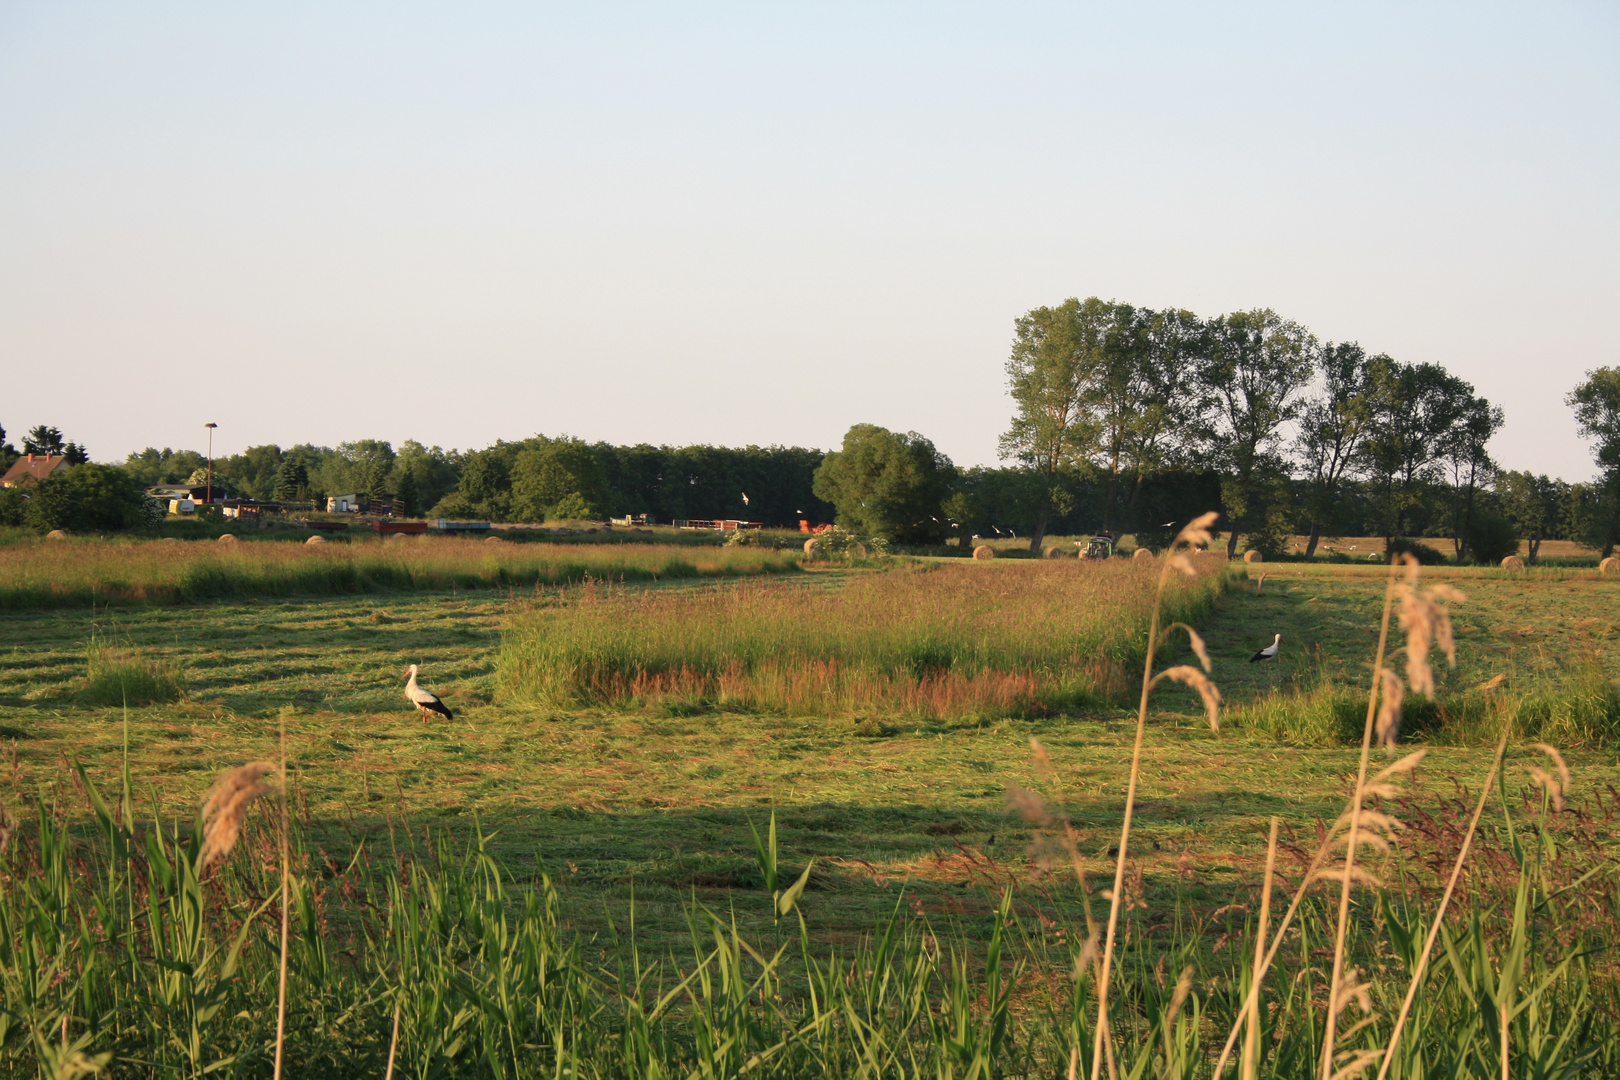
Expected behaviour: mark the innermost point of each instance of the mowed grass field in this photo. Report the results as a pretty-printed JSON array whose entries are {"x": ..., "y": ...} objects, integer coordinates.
[{"x": 658, "y": 803}]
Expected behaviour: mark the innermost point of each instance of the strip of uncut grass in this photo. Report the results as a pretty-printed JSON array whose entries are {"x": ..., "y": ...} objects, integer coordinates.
[
  {"x": 75, "y": 573},
  {"x": 947, "y": 641}
]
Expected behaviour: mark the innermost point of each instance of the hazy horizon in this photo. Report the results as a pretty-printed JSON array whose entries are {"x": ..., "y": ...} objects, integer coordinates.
[{"x": 736, "y": 224}]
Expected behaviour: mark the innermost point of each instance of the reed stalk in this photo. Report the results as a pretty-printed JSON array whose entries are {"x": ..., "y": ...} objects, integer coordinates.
[
  {"x": 1251, "y": 1039},
  {"x": 1440, "y": 913},
  {"x": 1195, "y": 532},
  {"x": 1354, "y": 837},
  {"x": 286, "y": 861}
]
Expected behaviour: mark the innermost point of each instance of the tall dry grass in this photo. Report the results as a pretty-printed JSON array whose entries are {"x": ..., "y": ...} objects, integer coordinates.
[
  {"x": 79, "y": 572},
  {"x": 939, "y": 642}
]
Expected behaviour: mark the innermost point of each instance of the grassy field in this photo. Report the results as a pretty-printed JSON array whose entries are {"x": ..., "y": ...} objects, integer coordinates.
[
  {"x": 936, "y": 641},
  {"x": 647, "y": 806},
  {"x": 81, "y": 572}
]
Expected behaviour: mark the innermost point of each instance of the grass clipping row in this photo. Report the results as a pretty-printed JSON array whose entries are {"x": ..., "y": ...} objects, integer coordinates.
[
  {"x": 76, "y": 573},
  {"x": 940, "y": 643}
]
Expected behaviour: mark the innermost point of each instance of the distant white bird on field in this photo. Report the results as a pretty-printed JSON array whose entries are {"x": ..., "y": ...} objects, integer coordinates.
[
  {"x": 745, "y": 498},
  {"x": 425, "y": 700},
  {"x": 1269, "y": 652}
]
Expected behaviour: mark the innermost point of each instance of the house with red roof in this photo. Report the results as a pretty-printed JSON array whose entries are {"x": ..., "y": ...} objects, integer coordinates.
[{"x": 32, "y": 468}]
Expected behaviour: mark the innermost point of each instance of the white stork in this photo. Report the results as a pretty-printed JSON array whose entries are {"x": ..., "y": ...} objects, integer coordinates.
[
  {"x": 1269, "y": 652},
  {"x": 425, "y": 700}
]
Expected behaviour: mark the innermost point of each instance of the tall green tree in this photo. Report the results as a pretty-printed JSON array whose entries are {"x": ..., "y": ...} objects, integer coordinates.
[
  {"x": 8, "y": 453},
  {"x": 50, "y": 440},
  {"x": 153, "y": 466},
  {"x": 1145, "y": 399},
  {"x": 433, "y": 471},
  {"x": 1254, "y": 368},
  {"x": 1533, "y": 504},
  {"x": 253, "y": 472},
  {"x": 1332, "y": 424},
  {"x": 292, "y": 478},
  {"x": 887, "y": 484},
  {"x": 561, "y": 478},
  {"x": 1414, "y": 409},
  {"x": 1470, "y": 465},
  {"x": 1058, "y": 360},
  {"x": 1596, "y": 402}
]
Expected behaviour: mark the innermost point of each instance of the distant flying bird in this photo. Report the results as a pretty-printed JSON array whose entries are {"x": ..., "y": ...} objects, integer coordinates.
[
  {"x": 1269, "y": 652},
  {"x": 745, "y": 498},
  {"x": 425, "y": 700},
  {"x": 1167, "y": 525},
  {"x": 798, "y": 511}
]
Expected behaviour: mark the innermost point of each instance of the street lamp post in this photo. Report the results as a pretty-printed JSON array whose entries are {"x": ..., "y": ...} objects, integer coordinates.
[{"x": 210, "y": 427}]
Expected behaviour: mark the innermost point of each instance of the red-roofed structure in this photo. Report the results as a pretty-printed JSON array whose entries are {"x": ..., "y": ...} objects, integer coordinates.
[{"x": 32, "y": 468}]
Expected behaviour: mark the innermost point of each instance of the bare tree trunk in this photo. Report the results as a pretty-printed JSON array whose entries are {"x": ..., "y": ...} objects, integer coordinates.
[
  {"x": 1040, "y": 528},
  {"x": 1311, "y": 541},
  {"x": 1231, "y": 544}
]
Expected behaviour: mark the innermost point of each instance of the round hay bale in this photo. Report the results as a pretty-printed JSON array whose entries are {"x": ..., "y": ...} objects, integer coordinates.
[
  {"x": 984, "y": 551},
  {"x": 1513, "y": 562},
  {"x": 1052, "y": 553},
  {"x": 171, "y": 539},
  {"x": 858, "y": 551},
  {"x": 316, "y": 540},
  {"x": 56, "y": 534},
  {"x": 493, "y": 540},
  {"x": 1142, "y": 553},
  {"x": 1611, "y": 565},
  {"x": 227, "y": 538},
  {"x": 812, "y": 548},
  {"x": 1253, "y": 556}
]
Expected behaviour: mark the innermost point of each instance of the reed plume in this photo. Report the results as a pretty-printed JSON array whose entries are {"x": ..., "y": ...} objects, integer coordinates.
[{"x": 226, "y": 806}]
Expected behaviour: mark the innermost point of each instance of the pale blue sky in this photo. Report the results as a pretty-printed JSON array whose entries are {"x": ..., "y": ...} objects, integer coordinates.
[{"x": 766, "y": 222}]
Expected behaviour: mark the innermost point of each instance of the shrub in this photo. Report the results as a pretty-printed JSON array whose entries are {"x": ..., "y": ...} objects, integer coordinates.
[
  {"x": 87, "y": 498},
  {"x": 12, "y": 505},
  {"x": 1491, "y": 538},
  {"x": 1423, "y": 553}
]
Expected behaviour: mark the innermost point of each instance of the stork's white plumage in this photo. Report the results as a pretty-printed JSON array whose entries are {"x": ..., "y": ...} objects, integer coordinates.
[
  {"x": 425, "y": 700},
  {"x": 1269, "y": 652}
]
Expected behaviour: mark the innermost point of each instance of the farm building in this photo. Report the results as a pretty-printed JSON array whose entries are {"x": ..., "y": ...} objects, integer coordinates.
[{"x": 32, "y": 468}]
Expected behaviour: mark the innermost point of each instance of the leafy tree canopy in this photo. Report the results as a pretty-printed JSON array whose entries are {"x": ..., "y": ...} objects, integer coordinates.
[
  {"x": 886, "y": 484},
  {"x": 87, "y": 498}
]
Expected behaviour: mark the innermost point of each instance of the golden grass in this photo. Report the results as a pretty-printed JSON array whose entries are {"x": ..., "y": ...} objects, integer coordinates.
[
  {"x": 80, "y": 572},
  {"x": 947, "y": 641}
]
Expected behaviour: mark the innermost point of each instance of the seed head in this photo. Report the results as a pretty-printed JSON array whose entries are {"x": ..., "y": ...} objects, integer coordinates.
[{"x": 226, "y": 807}]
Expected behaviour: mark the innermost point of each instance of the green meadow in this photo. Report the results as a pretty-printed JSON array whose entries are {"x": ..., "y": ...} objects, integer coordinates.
[{"x": 619, "y": 833}]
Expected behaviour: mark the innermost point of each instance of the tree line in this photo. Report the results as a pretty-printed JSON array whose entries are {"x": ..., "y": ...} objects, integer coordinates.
[{"x": 1128, "y": 420}]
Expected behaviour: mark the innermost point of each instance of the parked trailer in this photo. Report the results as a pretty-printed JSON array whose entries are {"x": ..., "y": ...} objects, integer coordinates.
[{"x": 382, "y": 528}]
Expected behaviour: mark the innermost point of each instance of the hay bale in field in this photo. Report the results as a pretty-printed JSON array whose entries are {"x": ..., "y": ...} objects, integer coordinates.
[
  {"x": 1142, "y": 553},
  {"x": 812, "y": 548},
  {"x": 227, "y": 538},
  {"x": 56, "y": 534},
  {"x": 316, "y": 540},
  {"x": 1611, "y": 565},
  {"x": 1513, "y": 562},
  {"x": 1253, "y": 556},
  {"x": 170, "y": 539},
  {"x": 984, "y": 551},
  {"x": 858, "y": 551},
  {"x": 493, "y": 540},
  {"x": 1053, "y": 553}
]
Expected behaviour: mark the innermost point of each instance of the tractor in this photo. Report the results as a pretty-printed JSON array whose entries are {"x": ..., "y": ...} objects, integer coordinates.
[{"x": 1099, "y": 547}]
